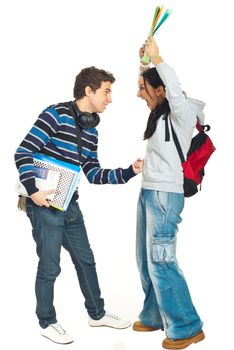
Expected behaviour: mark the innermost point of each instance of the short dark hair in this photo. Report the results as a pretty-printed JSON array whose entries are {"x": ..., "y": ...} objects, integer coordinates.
[{"x": 90, "y": 76}]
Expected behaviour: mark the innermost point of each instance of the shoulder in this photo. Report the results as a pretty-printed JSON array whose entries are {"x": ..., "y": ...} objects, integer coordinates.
[
  {"x": 61, "y": 108},
  {"x": 59, "y": 111}
]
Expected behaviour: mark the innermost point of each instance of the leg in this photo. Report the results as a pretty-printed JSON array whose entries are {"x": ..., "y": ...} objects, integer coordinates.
[
  {"x": 163, "y": 215},
  {"x": 47, "y": 228},
  {"x": 75, "y": 241},
  {"x": 150, "y": 315}
]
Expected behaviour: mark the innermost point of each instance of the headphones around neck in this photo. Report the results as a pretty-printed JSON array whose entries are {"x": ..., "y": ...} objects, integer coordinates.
[{"x": 85, "y": 119}]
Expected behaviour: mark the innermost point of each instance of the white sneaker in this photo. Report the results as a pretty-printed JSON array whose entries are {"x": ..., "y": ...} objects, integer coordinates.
[
  {"x": 110, "y": 320},
  {"x": 57, "y": 334}
]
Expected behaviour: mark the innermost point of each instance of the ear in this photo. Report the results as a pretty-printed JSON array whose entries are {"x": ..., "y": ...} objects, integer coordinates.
[
  {"x": 88, "y": 91},
  {"x": 160, "y": 91}
]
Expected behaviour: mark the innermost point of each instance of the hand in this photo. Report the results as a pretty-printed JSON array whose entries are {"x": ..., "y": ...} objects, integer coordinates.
[
  {"x": 142, "y": 52},
  {"x": 40, "y": 198},
  {"x": 151, "y": 48},
  {"x": 137, "y": 166},
  {"x": 144, "y": 65}
]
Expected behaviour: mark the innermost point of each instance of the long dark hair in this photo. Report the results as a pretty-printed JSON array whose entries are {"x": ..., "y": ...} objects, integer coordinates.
[{"x": 152, "y": 77}]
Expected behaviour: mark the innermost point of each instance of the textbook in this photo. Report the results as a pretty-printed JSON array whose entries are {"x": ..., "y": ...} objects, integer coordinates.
[{"x": 50, "y": 174}]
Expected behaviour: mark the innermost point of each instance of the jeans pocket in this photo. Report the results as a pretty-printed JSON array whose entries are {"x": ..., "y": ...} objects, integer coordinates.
[
  {"x": 162, "y": 200},
  {"x": 164, "y": 250},
  {"x": 73, "y": 214}
]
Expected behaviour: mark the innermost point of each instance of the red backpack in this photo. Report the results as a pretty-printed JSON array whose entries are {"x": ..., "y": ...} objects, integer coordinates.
[{"x": 200, "y": 150}]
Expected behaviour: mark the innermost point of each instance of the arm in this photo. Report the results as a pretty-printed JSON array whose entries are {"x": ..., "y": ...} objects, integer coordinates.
[
  {"x": 97, "y": 175},
  {"x": 179, "y": 105},
  {"x": 44, "y": 128}
]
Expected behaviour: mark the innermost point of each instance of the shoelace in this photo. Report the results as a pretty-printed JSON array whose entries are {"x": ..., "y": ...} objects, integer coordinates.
[
  {"x": 112, "y": 316},
  {"x": 58, "y": 328}
]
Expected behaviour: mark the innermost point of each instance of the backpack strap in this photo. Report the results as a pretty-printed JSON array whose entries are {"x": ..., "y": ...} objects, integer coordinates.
[
  {"x": 201, "y": 127},
  {"x": 167, "y": 133},
  {"x": 177, "y": 144}
]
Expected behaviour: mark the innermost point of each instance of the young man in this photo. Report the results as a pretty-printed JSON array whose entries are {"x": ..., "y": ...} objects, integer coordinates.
[{"x": 54, "y": 134}]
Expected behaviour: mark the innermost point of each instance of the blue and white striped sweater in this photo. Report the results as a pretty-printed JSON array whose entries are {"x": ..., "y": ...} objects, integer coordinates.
[{"x": 54, "y": 134}]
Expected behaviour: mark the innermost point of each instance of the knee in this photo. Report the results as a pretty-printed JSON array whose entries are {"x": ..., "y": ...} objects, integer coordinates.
[
  {"x": 164, "y": 250},
  {"x": 48, "y": 274},
  {"x": 84, "y": 260}
]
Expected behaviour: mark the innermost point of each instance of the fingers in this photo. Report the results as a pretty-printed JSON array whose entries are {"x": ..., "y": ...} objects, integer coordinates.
[
  {"x": 49, "y": 191},
  {"x": 150, "y": 41},
  {"x": 46, "y": 203},
  {"x": 142, "y": 51},
  {"x": 138, "y": 166},
  {"x": 40, "y": 198},
  {"x": 42, "y": 203},
  {"x": 151, "y": 49}
]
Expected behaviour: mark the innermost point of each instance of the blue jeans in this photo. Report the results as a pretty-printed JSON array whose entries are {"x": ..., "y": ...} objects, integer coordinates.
[
  {"x": 167, "y": 303},
  {"x": 51, "y": 230}
]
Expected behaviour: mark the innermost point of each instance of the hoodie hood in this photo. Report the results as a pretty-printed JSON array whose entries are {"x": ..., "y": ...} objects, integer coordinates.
[{"x": 198, "y": 107}]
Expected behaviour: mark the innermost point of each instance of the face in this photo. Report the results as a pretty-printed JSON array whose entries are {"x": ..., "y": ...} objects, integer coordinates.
[
  {"x": 152, "y": 96},
  {"x": 99, "y": 99}
]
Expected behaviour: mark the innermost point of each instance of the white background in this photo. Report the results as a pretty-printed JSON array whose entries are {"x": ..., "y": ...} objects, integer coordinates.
[{"x": 44, "y": 45}]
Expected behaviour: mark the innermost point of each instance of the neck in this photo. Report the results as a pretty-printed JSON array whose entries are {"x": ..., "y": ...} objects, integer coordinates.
[
  {"x": 162, "y": 103},
  {"x": 84, "y": 105},
  {"x": 161, "y": 109}
]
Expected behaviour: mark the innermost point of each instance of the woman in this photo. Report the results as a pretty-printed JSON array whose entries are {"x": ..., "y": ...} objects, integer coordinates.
[{"x": 167, "y": 305}]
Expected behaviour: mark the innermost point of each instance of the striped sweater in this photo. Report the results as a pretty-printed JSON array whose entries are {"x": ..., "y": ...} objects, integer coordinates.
[{"x": 54, "y": 134}]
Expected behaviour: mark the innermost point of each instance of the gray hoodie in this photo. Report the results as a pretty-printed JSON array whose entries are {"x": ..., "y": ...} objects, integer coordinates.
[{"x": 162, "y": 166}]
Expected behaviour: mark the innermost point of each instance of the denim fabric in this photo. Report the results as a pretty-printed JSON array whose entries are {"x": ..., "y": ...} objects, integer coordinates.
[
  {"x": 167, "y": 303},
  {"x": 51, "y": 230}
]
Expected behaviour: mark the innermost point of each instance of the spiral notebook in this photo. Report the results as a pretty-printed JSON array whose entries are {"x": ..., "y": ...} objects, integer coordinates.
[{"x": 50, "y": 174}]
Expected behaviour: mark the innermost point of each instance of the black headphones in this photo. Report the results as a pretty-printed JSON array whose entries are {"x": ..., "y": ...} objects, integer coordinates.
[{"x": 85, "y": 119}]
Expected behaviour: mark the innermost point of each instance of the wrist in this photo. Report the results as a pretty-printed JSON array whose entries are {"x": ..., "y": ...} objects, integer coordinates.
[
  {"x": 144, "y": 64},
  {"x": 156, "y": 59},
  {"x": 143, "y": 67}
]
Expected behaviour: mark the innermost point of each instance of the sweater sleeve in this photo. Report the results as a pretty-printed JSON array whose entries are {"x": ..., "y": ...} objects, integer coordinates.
[
  {"x": 97, "y": 175},
  {"x": 39, "y": 135},
  {"x": 181, "y": 112}
]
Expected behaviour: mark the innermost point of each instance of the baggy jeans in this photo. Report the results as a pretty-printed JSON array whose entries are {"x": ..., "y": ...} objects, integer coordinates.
[{"x": 167, "y": 303}]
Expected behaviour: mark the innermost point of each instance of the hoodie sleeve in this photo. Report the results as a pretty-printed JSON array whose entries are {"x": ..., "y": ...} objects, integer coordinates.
[{"x": 181, "y": 111}]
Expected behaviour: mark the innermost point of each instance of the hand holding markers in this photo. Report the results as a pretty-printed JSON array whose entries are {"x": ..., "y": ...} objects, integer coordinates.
[{"x": 160, "y": 15}]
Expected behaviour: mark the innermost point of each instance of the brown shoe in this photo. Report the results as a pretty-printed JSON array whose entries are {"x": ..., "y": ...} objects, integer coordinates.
[
  {"x": 182, "y": 343},
  {"x": 140, "y": 327}
]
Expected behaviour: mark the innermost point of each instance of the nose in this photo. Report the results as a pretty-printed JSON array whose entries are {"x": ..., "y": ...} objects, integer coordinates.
[
  {"x": 109, "y": 99},
  {"x": 139, "y": 93}
]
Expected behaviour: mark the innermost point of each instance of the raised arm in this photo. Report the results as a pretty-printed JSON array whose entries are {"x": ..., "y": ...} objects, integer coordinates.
[{"x": 179, "y": 105}]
